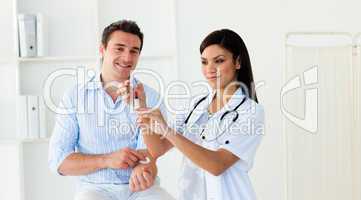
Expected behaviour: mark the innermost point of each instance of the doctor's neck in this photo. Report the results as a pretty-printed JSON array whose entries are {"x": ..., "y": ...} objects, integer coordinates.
[{"x": 225, "y": 93}]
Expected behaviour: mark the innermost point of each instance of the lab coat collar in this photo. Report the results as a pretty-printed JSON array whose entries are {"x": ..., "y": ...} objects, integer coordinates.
[
  {"x": 201, "y": 108},
  {"x": 235, "y": 99}
]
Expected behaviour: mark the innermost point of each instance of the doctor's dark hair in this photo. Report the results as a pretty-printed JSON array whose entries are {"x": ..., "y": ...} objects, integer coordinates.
[
  {"x": 127, "y": 26},
  {"x": 231, "y": 41}
]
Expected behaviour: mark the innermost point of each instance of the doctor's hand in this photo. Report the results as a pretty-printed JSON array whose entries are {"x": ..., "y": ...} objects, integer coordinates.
[
  {"x": 123, "y": 159},
  {"x": 125, "y": 91},
  {"x": 120, "y": 88},
  {"x": 142, "y": 177},
  {"x": 152, "y": 120}
]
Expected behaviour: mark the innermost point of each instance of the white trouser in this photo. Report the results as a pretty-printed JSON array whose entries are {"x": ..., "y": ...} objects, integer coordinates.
[{"x": 89, "y": 191}]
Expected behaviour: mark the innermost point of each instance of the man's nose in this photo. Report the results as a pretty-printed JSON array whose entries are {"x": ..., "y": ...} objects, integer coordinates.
[{"x": 127, "y": 57}]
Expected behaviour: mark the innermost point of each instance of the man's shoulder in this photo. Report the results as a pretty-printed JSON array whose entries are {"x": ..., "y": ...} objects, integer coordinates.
[{"x": 153, "y": 96}]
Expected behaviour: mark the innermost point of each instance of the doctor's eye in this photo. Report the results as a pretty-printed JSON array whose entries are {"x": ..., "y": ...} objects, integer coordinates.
[
  {"x": 204, "y": 62},
  {"x": 219, "y": 61}
]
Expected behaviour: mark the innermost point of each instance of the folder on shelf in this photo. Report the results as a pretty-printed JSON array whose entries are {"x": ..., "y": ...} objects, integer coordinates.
[
  {"x": 27, "y": 35},
  {"x": 41, "y": 35},
  {"x": 33, "y": 117}
]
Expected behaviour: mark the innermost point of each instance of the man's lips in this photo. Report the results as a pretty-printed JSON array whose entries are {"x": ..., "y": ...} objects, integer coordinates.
[{"x": 123, "y": 66}]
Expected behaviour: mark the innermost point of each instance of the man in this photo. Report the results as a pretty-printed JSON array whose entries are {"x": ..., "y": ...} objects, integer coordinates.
[{"x": 97, "y": 139}]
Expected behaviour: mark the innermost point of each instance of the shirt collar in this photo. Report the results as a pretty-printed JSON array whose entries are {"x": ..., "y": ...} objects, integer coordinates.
[{"x": 95, "y": 82}]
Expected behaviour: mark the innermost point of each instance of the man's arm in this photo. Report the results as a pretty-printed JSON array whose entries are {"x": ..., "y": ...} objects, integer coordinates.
[
  {"x": 63, "y": 158},
  {"x": 81, "y": 164},
  {"x": 144, "y": 174}
]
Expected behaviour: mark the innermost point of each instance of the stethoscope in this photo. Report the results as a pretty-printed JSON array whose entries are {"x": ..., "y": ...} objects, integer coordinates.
[{"x": 228, "y": 112}]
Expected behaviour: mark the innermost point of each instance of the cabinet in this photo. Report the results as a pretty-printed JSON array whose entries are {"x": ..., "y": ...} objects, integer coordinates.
[
  {"x": 72, "y": 35},
  {"x": 322, "y": 132},
  {"x": 25, "y": 174}
]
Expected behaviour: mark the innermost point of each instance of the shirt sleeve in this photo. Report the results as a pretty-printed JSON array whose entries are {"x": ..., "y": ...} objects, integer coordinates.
[
  {"x": 140, "y": 141},
  {"x": 65, "y": 133},
  {"x": 153, "y": 99},
  {"x": 245, "y": 136}
]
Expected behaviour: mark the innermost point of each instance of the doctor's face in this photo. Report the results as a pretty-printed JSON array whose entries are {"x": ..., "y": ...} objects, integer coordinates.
[
  {"x": 121, "y": 55},
  {"x": 218, "y": 63}
]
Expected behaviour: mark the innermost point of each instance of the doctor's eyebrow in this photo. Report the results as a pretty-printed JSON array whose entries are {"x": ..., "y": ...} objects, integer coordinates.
[{"x": 214, "y": 58}]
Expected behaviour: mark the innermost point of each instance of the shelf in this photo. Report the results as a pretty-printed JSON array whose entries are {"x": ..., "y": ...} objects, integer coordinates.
[
  {"x": 24, "y": 140},
  {"x": 149, "y": 57},
  {"x": 4, "y": 61},
  {"x": 57, "y": 59}
]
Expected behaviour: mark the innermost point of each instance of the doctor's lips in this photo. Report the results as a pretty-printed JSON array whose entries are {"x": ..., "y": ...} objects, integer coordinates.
[{"x": 212, "y": 77}]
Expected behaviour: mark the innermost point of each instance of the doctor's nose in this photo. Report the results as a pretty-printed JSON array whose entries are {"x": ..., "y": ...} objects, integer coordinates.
[{"x": 211, "y": 68}]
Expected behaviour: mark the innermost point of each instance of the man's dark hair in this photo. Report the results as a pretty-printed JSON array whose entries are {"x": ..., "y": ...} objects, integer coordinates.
[{"x": 127, "y": 26}]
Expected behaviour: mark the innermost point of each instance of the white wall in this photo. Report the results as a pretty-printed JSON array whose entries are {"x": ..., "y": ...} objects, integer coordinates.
[{"x": 263, "y": 25}]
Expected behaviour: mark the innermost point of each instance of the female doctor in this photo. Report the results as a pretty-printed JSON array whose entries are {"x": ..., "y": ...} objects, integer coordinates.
[{"x": 221, "y": 132}]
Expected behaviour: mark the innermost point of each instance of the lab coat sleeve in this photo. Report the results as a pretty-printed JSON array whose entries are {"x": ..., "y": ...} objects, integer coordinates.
[
  {"x": 176, "y": 122},
  {"x": 153, "y": 100},
  {"x": 244, "y": 137},
  {"x": 66, "y": 131}
]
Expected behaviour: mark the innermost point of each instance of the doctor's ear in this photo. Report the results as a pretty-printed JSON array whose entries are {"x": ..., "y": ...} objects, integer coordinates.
[{"x": 238, "y": 63}]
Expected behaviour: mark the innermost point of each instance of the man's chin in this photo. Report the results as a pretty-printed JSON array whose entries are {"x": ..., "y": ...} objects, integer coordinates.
[{"x": 122, "y": 74}]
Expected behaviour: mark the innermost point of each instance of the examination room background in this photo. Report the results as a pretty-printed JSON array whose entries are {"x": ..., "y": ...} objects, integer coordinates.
[{"x": 312, "y": 43}]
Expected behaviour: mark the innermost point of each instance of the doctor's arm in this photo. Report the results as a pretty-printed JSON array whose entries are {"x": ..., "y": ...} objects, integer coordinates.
[
  {"x": 215, "y": 162},
  {"x": 156, "y": 144}
]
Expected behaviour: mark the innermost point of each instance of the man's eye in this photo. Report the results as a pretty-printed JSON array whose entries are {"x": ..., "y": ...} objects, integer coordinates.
[
  {"x": 204, "y": 62},
  {"x": 134, "y": 52},
  {"x": 119, "y": 49}
]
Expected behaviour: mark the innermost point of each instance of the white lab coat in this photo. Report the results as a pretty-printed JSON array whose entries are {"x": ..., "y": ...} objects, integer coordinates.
[{"x": 243, "y": 138}]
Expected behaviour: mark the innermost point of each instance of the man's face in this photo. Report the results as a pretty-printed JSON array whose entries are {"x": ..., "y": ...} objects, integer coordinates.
[{"x": 121, "y": 55}]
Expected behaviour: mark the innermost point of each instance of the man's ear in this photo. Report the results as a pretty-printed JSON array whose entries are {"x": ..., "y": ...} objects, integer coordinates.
[{"x": 101, "y": 50}]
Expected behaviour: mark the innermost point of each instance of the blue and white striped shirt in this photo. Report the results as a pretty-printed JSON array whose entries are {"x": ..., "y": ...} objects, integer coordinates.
[{"x": 91, "y": 123}]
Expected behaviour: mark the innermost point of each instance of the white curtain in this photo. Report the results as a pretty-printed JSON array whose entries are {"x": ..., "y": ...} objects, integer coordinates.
[{"x": 320, "y": 152}]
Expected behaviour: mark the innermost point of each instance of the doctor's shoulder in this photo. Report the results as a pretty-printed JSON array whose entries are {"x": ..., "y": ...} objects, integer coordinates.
[
  {"x": 183, "y": 111},
  {"x": 253, "y": 114}
]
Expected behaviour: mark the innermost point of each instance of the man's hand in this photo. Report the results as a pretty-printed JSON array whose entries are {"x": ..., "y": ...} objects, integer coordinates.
[
  {"x": 142, "y": 177},
  {"x": 123, "y": 159}
]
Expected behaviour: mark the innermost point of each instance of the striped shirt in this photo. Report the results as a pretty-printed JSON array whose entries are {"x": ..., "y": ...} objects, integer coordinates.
[{"x": 90, "y": 122}]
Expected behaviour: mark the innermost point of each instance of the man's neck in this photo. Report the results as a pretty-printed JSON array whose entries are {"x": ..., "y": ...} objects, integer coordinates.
[{"x": 107, "y": 77}]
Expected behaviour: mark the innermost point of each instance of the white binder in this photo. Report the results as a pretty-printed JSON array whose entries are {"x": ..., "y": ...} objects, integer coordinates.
[
  {"x": 33, "y": 117},
  {"x": 27, "y": 35},
  {"x": 41, "y": 35},
  {"x": 32, "y": 120}
]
